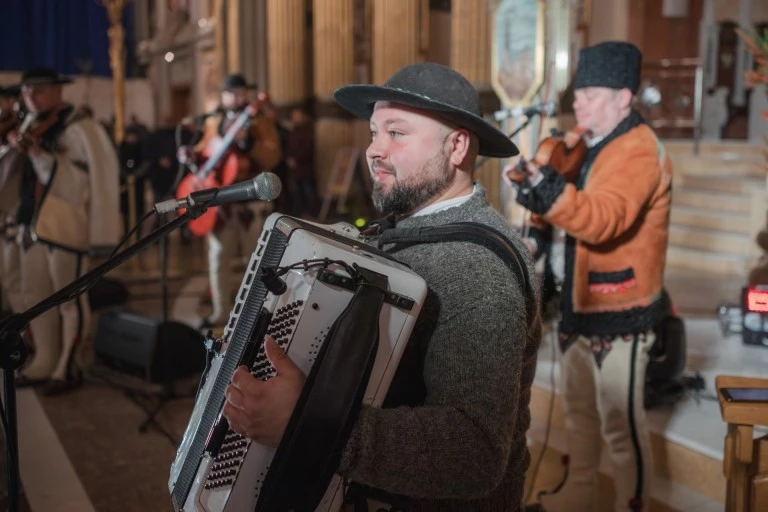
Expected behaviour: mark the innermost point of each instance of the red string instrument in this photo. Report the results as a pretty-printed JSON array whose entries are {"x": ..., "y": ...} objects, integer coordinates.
[{"x": 222, "y": 166}]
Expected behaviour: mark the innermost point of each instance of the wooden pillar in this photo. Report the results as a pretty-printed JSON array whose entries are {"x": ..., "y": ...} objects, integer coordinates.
[
  {"x": 471, "y": 40},
  {"x": 398, "y": 35},
  {"x": 333, "y": 67},
  {"x": 241, "y": 38},
  {"x": 286, "y": 51},
  {"x": 233, "y": 14},
  {"x": 471, "y": 56}
]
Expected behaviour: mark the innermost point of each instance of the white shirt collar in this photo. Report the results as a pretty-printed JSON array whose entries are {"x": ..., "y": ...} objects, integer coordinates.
[
  {"x": 594, "y": 141},
  {"x": 444, "y": 205}
]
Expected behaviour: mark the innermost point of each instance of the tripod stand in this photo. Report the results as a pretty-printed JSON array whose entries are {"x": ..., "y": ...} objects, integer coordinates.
[
  {"x": 152, "y": 402},
  {"x": 13, "y": 352}
]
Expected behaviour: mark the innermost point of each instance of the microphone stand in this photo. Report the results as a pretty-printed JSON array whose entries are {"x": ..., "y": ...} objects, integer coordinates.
[
  {"x": 13, "y": 352},
  {"x": 512, "y": 135}
]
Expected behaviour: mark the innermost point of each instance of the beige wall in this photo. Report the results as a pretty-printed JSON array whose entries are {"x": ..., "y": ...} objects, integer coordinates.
[
  {"x": 610, "y": 21},
  {"x": 439, "y": 37},
  {"x": 729, "y": 10}
]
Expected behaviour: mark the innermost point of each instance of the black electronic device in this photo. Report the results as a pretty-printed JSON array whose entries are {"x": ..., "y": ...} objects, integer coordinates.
[
  {"x": 151, "y": 349},
  {"x": 745, "y": 394}
]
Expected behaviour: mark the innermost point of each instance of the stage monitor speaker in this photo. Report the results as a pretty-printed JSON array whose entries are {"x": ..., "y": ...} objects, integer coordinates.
[{"x": 148, "y": 348}]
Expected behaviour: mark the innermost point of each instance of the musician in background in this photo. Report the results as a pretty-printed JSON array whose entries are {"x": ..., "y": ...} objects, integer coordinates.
[
  {"x": 452, "y": 434},
  {"x": 69, "y": 207},
  {"x": 258, "y": 146},
  {"x": 616, "y": 216},
  {"x": 11, "y": 170}
]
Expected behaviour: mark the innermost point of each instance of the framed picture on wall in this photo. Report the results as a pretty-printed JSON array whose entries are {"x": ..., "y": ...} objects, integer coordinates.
[{"x": 517, "y": 59}]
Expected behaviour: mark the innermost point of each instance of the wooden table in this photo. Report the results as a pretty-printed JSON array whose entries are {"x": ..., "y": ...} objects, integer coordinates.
[{"x": 745, "y": 460}]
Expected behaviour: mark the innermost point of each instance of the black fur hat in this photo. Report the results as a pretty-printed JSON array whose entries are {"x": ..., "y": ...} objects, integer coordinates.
[
  {"x": 237, "y": 81},
  {"x": 614, "y": 64}
]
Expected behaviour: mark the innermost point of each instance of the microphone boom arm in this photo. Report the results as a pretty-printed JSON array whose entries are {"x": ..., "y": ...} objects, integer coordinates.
[{"x": 13, "y": 352}]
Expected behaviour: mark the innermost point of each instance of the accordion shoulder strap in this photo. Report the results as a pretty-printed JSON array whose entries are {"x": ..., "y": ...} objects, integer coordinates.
[
  {"x": 496, "y": 242},
  {"x": 473, "y": 232},
  {"x": 311, "y": 448}
]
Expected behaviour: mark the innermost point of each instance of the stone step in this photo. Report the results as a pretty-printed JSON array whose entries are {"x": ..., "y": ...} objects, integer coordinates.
[
  {"x": 719, "y": 165},
  {"x": 698, "y": 293},
  {"x": 721, "y": 201},
  {"x": 719, "y": 184},
  {"x": 672, "y": 461},
  {"x": 714, "y": 263},
  {"x": 709, "y": 240},
  {"x": 710, "y": 219},
  {"x": 666, "y": 495},
  {"x": 685, "y": 147}
]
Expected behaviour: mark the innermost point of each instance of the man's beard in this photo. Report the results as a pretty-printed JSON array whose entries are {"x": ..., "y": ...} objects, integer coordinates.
[{"x": 406, "y": 196}]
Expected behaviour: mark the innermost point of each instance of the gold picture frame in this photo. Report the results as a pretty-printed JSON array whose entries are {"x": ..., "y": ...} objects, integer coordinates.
[{"x": 517, "y": 50}]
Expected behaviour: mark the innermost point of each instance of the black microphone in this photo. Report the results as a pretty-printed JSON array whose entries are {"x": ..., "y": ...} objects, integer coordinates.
[
  {"x": 547, "y": 108},
  {"x": 264, "y": 187}
]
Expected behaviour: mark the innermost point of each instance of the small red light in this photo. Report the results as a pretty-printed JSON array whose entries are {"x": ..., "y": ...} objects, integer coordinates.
[{"x": 757, "y": 300}]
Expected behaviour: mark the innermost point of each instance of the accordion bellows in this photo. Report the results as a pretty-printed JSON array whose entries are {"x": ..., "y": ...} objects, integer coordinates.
[{"x": 343, "y": 311}]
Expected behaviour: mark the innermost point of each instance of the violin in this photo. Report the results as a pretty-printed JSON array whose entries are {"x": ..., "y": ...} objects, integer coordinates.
[
  {"x": 10, "y": 118},
  {"x": 33, "y": 126},
  {"x": 222, "y": 167},
  {"x": 564, "y": 152},
  {"x": 7, "y": 123},
  {"x": 26, "y": 124}
]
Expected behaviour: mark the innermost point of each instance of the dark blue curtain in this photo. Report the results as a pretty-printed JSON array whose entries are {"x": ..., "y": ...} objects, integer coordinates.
[{"x": 59, "y": 34}]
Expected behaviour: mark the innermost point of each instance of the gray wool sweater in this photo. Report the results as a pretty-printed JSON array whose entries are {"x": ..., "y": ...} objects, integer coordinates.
[{"x": 451, "y": 435}]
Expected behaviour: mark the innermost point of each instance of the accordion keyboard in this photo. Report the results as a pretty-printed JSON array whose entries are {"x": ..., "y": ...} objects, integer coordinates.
[{"x": 216, "y": 469}]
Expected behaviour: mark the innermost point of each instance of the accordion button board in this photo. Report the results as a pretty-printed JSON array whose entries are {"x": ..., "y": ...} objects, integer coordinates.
[{"x": 216, "y": 469}]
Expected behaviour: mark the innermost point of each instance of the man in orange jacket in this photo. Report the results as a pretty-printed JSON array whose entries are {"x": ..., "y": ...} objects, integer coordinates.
[{"x": 616, "y": 217}]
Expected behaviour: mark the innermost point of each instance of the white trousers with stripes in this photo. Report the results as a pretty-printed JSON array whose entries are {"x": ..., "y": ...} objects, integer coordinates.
[
  {"x": 56, "y": 332},
  {"x": 223, "y": 246},
  {"x": 10, "y": 253},
  {"x": 604, "y": 403}
]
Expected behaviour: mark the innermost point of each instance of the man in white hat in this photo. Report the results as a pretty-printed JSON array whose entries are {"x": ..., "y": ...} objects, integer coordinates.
[{"x": 69, "y": 208}]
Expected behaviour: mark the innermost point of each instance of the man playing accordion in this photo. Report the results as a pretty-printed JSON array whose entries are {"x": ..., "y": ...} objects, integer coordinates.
[{"x": 452, "y": 431}]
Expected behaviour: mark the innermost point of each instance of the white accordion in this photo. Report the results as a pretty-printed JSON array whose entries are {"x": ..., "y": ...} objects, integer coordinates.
[{"x": 343, "y": 311}]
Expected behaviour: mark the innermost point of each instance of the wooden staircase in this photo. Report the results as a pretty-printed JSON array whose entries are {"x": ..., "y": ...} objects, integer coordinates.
[{"x": 719, "y": 200}]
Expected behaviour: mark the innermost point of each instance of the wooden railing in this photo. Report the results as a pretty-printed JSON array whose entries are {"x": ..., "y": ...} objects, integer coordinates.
[{"x": 670, "y": 98}]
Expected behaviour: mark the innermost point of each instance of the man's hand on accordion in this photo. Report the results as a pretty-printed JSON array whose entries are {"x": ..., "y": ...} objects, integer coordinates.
[{"x": 260, "y": 410}]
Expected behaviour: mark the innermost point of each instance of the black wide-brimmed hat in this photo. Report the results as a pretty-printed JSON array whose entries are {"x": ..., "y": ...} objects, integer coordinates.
[
  {"x": 41, "y": 75},
  {"x": 237, "y": 81},
  {"x": 435, "y": 88},
  {"x": 613, "y": 64},
  {"x": 11, "y": 90}
]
